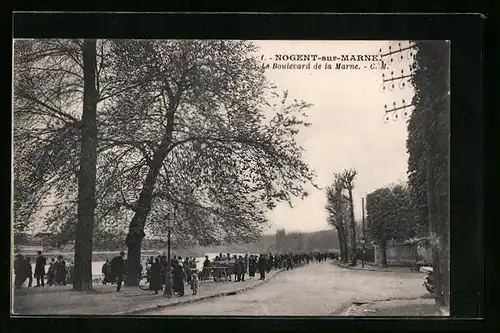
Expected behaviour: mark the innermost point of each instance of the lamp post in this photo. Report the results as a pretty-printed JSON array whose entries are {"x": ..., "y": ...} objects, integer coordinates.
[{"x": 168, "y": 278}]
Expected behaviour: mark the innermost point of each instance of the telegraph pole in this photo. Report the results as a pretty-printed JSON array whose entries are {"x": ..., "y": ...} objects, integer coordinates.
[
  {"x": 435, "y": 221},
  {"x": 363, "y": 241}
]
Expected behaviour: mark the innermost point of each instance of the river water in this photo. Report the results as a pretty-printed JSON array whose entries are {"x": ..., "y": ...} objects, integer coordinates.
[{"x": 97, "y": 265}]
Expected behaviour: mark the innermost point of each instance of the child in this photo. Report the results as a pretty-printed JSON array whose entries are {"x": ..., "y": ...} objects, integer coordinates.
[{"x": 194, "y": 281}]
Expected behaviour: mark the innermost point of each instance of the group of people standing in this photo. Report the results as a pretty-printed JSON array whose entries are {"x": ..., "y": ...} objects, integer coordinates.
[
  {"x": 236, "y": 265},
  {"x": 58, "y": 272},
  {"x": 183, "y": 271}
]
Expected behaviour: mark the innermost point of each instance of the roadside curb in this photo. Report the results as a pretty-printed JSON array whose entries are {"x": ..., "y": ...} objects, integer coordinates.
[
  {"x": 199, "y": 299},
  {"x": 356, "y": 268},
  {"x": 349, "y": 307},
  {"x": 369, "y": 269}
]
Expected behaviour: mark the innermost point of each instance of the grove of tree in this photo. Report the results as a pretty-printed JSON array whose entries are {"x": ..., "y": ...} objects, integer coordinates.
[
  {"x": 389, "y": 217},
  {"x": 428, "y": 146},
  {"x": 189, "y": 129},
  {"x": 340, "y": 210}
]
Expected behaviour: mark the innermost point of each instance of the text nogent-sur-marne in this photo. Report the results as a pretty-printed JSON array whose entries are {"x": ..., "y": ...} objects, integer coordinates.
[{"x": 316, "y": 57}]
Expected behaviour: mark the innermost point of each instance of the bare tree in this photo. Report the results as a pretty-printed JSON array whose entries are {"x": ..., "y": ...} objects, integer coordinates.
[
  {"x": 347, "y": 177},
  {"x": 336, "y": 209},
  {"x": 57, "y": 85}
]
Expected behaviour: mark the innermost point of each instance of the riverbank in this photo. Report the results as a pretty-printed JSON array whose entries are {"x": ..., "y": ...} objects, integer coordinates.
[{"x": 104, "y": 300}]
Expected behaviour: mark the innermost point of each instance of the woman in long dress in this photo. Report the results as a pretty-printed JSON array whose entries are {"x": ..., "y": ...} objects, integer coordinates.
[
  {"x": 251, "y": 267},
  {"x": 179, "y": 278},
  {"x": 156, "y": 276}
]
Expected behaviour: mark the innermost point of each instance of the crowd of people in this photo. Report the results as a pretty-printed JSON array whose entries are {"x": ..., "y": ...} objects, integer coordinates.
[
  {"x": 58, "y": 273},
  {"x": 224, "y": 267}
]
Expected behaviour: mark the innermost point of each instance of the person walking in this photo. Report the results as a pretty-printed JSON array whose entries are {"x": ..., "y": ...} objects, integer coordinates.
[
  {"x": 187, "y": 270},
  {"x": 262, "y": 267},
  {"x": 51, "y": 272},
  {"x": 118, "y": 269},
  {"x": 19, "y": 271},
  {"x": 29, "y": 271},
  {"x": 251, "y": 267},
  {"x": 244, "y": 262},
  {"x": 194, "y": 280},
  {"x": 59, "y": 271},
  {"x": 40, "y": 270},
  {"x": 105, "y": 272},
  {"x": 156, "y": 276},
  {"x": 206, "y": 269},
  {"x": 179, "y": 278}
]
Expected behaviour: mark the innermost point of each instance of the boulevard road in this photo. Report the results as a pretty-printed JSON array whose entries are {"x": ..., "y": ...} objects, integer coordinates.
[{"x": 315, "y": 289}]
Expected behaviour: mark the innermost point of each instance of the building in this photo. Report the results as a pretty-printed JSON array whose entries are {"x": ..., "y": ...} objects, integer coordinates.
[
  {"x": 405, "y": 253},
  {"x": 398, "y": 254}
]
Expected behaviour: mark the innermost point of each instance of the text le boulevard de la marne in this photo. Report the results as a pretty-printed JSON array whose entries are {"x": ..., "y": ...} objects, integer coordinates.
[{"x": 318, "y": 62}]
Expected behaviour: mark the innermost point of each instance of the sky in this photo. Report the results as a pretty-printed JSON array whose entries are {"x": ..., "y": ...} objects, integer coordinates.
[{"x": 348, "y": 128}]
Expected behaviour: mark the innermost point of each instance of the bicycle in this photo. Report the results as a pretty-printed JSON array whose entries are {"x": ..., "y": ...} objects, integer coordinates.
[{"x": 144, "y": 283}]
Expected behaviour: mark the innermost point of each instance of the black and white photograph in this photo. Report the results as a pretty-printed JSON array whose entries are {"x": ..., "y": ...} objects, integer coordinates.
[{"x": 224, "y": 177}]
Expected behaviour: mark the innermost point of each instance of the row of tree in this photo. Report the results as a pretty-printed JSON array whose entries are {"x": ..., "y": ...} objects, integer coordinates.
[
  {"x": 428, "y": 146},
  {"x": 389, "y": 216},
  {"x": 140, "y": 131},
  {"x": 424, "y": 209},
  {"x": 298, "y": 241},
  {"x": 340, "y": 210}
]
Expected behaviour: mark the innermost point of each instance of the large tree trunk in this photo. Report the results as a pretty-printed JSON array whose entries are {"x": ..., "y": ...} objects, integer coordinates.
[
  {"x": 434, "y": 232},
  {"x": 353, "y": 229},
  {"x": 445, "y": 254},
  {"x": 143, "y": 204},
  {"x": 383, "y": 252},
  {"x": 340, "y": 234},
  {"x": 82, "y": 277},
  {"x": 343, "y": 245},
  {"x": 340, "y": 239},
  {"x": 136, "y": 227}
]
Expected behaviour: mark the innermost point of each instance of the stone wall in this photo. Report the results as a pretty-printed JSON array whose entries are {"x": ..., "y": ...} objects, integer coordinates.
[{"x": 398, "y": 254}]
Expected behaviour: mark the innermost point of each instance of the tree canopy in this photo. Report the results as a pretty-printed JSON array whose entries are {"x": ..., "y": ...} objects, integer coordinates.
[
  {"x": 188, "y": 122},
  {"x": 389, "y": 214}
]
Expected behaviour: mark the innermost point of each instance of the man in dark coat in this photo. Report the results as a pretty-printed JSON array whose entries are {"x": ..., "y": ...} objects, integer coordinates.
[
  {"x": 262, "y": 267},
  {"x": 51, "y": 272},
  {"x": 105, "y": 272},
  {"x": 19, "y": 271},
  {"x": 118, "y": 269},
  {"x": 178, "y": 277},
  {"x": 251, "y": 267},
  {"x": 244, "y": 264},
  {"x": 237, "y": 269},
  {"x": 59, "y": 271},
  {"x": 206, "y": 268},
  {"x": 29, "y": 270},
  {"x": 156, "y": 281},
  {"x": 40, "y": 270}
]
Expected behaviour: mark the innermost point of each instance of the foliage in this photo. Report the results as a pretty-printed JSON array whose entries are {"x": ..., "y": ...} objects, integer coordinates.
[
  {"x": 187, "y": 120},
  {"x": 347, "y": 178},
  {"x": 389, "y": 214},
  {"x": 338, "y": 211},
  {"x": 428, "y": 148},
  {"x": 204, "y": 148},
  {"x": 429, "y": 124}
]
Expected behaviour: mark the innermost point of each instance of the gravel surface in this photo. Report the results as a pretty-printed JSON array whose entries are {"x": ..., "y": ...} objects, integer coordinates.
[
  {"x": 104, "y": 300},
  {"x": 405, "y": 308},
  {"x": 316, "y": 289}
]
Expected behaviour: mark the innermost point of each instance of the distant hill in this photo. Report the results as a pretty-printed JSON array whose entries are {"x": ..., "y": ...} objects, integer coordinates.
[{"x": 323, "y": 240}]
